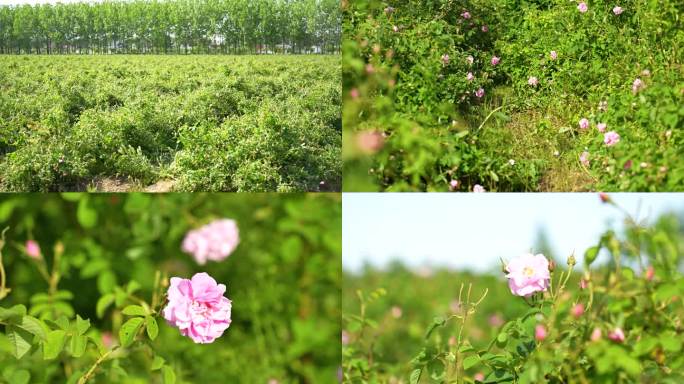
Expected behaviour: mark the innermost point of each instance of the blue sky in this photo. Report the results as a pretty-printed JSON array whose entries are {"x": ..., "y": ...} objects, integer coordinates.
[{"x": 472, "y": 231}]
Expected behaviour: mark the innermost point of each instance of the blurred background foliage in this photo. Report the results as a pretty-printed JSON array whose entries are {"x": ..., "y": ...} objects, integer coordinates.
[{"x": 284, "y": 279}]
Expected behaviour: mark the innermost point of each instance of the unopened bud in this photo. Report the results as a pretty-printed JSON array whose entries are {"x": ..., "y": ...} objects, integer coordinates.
[
  {"x": 552, "y": 265},
  {"x": 571, "y": 260}
]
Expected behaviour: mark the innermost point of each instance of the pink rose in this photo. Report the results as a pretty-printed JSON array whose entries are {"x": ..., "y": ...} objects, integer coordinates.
[
  {"x": 617, "y": 10},
  {"x": 584, "y": 158},
  {"x": 528, "y": 274},
  {"x": 611, "y": 138},
  {"x": 445, "y": 59},
  {"x": 539, "y": 332},
  {"x": 214, "y": 241},
  {"x": 33, "y": 249},
  {"x": 198, "y": 308},
  {"x": 532, "y": 81},
  {"x": 582, "y": 7},
  {"x": 584, "y": 123},
  {"x": 453, "y": 184},
  {"x": 480, "y": 92},
  {"x": 479, "y": 377},
  {"x": 601, "y": 127},
  {"x": 370, "y": 142},
  {"x": 465, "y": 15},
  {"x": 617, "y": 335},
  {"x": 477, "y": 188},
  {"x": 495, "y": 60},
  {"x": 470, "y": 76},
  {"x": 554, "y": 55},
  {"x": 485, "y": 28},
  {"x": 354, "y": 93},
  {"x": 637, "y": 85}
]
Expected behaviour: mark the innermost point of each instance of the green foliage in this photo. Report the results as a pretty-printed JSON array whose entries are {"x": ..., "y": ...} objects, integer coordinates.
[
  {"x": 423, "y": 329},
  {"x": 88, "y": 309},
  {"x": 209, "y": 123},
  {"x": 517, "y": 137}
]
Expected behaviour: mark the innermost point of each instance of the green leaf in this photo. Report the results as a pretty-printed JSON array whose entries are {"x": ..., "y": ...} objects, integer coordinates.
[
  {"x": 20, "y": 340},
  {"x": 132, "y": 287},
  {"x": 169, "y": 375},
  {"x": 415, "y": 376},
  {"x": 151, "y": 327},
  {"x": 14, "y": 312},
  {"x": 63, "y": 295},
  {"x": 32, "y": 325},
  {"x": 134, "y": 310},
  {"x": 86, "y": 216},
  {"x": 106, "y": 281},
  {"x": 20, "y": 376},
  {"x": 438, "y": 321},
  {"x": 470, "y": 361},
  {"x": 54, "y": 343},
  {"x": 81, "y": 325},
  {"x": 103, "y": 303},
  {"x": 157, "y": 363},
  {"x": 78, "y": 345},
  {"x": 590, "y": 255},
  {"x": 129, "y": 330}
]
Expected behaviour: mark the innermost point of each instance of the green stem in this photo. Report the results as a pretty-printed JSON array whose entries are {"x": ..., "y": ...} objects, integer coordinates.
[
  {"x": 84, "y": 379},
  {"x": 3, "y": 290}
]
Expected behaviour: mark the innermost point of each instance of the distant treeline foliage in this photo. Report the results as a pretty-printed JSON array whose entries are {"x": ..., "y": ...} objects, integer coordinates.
[{"x": 175, "y": 26}]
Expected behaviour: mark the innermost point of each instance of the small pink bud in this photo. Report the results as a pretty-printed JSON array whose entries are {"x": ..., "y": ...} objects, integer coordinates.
[
  {"x": 583, "y": 284},
  {"x": 370, "y": 142},
  {"x": 577, "y": 310},
  {"x": 396, "y": 312},
  {"x": 452, "y": 341},
  {"x": 539, "y": 332},
  {"x": 33, "y": 249},
  {"x": 650, "y": 273},
  {"x": 453, "y": 184},
  {"x": 596, "y": 334},
  {"x": 495, "y": 60},
  {"x": 354, "y": 93},
  {"x": 479, "y": 377},
  {"x": 554, "y": 55},
  {"x": 604, "y": 197},
  {"x": 617, "y": 335}
]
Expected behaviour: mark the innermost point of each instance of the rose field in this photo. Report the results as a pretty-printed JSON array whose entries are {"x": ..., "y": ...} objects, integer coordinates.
[
  {"x": 170, "y": 123},
  {"x": 174, "y": 288},
  {"x": 611, "y": 313},
  {"x": 515, "y": 95}
]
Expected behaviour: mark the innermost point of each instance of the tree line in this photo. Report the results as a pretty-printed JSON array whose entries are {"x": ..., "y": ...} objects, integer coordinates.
[{"x": 174, "y": 26}]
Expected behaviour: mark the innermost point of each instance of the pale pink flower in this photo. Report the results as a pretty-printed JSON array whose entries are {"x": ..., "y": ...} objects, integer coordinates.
[
  {"x": 637, "y": 85},
  {"x": 470, "y": 60},
  {"x": 601, "y": 127},
  {"x": 198, "y": 308},
  {"x": 395, "y": 28},
  {"x": 480, "y": 92},
  {"x": 396, "y": 312},
  {"x": 584, "y": 158},
  {"x": 453, "y": 184},
  {"x": 650, "y": 273},
  {"x": 470, "y": 76},
  {"x": 528, "y": 274},
  {"x": 539, "y": 332},
  {"x": 477, "y": 188},
  {"x": 645, "y": 73},
  {"x": 495, "y": 60},
  {"x": 554, "y": 55},
  {"x": 582, "y": 7},
  {"x": 617, "y": 10},
  {"x": 465, "y": 15},
  {"x": 214, "y": 241},
  {"x": 370, "y": 141},
  {"x": 495, "y": 320},
  {"x": 445, "y": 59},
  {"x": 617, "y": 335},
  {"x": 354, "y": 93},
  {"x": 584, "y": 123},
  {"x": 533, "y": 81},
  {"x": 32, "y": 249},
  {"x": 583, "y": 284},
  {"x": 485, "y": 28},
  {"x": 577, "y": 310},
  {"x": 345, "y": 337},
  {"x": 389, "y": 10},
  {"x": 370, "y": 69},
  {"x": 611, "y": 138},
  {"x": 596, "y": 334},
  {"x": 479, "y": 377},
  {"x": 107, "y": 339}
]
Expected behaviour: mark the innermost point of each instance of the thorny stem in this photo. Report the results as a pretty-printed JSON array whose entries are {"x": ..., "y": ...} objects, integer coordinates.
[
  {"x": 3, "y": 290},
  {"x": 84, "y": 379}
]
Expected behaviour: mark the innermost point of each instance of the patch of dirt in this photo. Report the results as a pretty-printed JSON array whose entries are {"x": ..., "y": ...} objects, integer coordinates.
[
  {"x": 161, "y": 186},
  {"x": 111, "y": 184}
]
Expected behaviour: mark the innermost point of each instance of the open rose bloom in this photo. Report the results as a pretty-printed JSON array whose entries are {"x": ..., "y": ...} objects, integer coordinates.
[
  {"x": 528, "y": 274},
  {"x": 197, "y": 307},
  {"x": 214, "y": 241}
]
